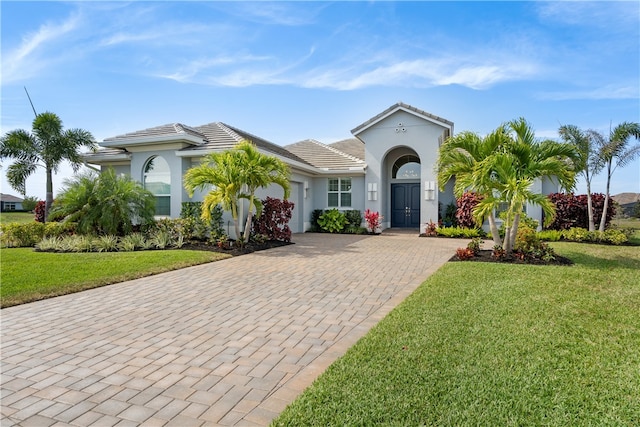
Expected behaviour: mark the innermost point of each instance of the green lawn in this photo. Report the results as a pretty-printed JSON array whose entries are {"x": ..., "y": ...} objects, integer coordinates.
[
  {"x": 21, "y": 217},
  {"x": 27, "y": 275},
  {"x": 489, "y": 344}
]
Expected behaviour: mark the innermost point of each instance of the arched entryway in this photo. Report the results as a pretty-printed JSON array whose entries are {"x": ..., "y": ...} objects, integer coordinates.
[{"x": 405, "y": 191}]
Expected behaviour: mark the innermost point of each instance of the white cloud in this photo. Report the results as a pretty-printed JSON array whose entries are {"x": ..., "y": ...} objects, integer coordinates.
[
  {"x": 600, "y": 14},
  {"x": 29, "y": 58},
  {"x": 612, "y": 91}
]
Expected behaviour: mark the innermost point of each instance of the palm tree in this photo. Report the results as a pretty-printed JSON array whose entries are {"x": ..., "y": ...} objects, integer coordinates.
[
  {"x": 48, "y": 145},
  {"x": 524, "y": 160},
  {"x": 104, "y": 203},
  {"x": 502, "y": 166},
  {"x": 588, "y": 162},
  {"x": 260, "y": 171},
  {"x": 616, "y": 148},
  {"x": 223, "y": 171},
  {"x": 462, "y": 156}
]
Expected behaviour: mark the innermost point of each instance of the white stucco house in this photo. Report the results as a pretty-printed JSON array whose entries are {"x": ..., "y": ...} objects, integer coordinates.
[{"x": 389, "y": 166}]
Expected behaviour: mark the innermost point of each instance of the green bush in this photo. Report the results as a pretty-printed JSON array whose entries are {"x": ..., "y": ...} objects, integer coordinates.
[
  {"x": 460, "y": 232},
  {"x": 132, "y": 242},
  {"x": 315, "y": 216},
  {"x": 17, "y": 235},
  {"x": 195, "y": 227},
  {"x": 354, "y": 218},
  {"x": 576, "y": 234},
  {"x": 550, "y": 235},
  {"x": 332, "y": 221},
  {"x": 29, "y": 203},
  {"x": 615, "y": 237}
]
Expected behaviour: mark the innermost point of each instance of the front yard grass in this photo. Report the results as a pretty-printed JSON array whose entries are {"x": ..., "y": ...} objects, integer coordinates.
[
  {"x": 494, "y": 344},
  {"x": 27, "y": 275}
]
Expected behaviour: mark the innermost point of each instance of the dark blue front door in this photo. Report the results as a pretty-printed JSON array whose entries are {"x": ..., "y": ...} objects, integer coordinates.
[{"x": 405, "y": 205}]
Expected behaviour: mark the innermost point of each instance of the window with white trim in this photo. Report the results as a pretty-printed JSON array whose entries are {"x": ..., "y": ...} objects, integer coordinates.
[
  {"x": 157, "y": 179},
  {"x": 339, "y": 193}
]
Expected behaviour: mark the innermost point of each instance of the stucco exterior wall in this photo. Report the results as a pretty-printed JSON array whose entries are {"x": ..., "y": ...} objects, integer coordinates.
[{"x": 401, "y": 129}]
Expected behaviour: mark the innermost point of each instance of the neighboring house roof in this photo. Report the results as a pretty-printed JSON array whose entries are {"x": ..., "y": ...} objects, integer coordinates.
[
  {"x": 324, "y": 156},
  {"x": 400, "y": 106},
  {"x": 10, "y": 198},
  {"x": 352, "y": 146}
]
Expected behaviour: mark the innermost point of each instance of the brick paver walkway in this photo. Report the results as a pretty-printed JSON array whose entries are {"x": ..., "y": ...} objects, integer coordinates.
[{"x": 227, "y": 343}]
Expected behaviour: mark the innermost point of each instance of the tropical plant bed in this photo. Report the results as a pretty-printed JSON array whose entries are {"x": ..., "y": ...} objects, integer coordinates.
[
  {"x": 232, "y": 249},
  {"x": 487, "y": 256}
]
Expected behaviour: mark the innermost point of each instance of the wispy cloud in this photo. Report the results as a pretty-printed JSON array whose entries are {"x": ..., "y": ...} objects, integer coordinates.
[
  {"x": 612, "y": 91},
  {"x": 603, "y": 14},
  {"x": 30, "y": 57}
]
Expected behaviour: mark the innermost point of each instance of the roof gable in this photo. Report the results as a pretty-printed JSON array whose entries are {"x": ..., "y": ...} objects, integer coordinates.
[{"x": 402, "y": 107}]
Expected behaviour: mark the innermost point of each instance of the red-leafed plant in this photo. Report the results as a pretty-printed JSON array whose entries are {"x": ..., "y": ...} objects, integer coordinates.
[
  {"x": 571, "y": 210},
  {"x": 273, "y": 222},
  {"x": 39, "y": 211},
  {"x": 464, "y": 213},
  {"x": 464, "y": 254},
  {"x": 373, "y": 220},
  {"x": 431, "y": 229}
]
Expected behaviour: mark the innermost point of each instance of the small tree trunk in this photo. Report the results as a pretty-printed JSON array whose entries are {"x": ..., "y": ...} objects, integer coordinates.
[
  {"x": 514, "y": 231},
  {"x": 603, "y": 219},
  {"x": 236, "y": 223},
  {"x": 507, "y": 240},
  {"x": 495, "y": 233},
  {"x": 592, "y": 225},
  {"x": 49, "y": 197}
]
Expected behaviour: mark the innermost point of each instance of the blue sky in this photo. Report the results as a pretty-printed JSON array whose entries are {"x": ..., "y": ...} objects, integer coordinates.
[{"x": 288, "y": 71}]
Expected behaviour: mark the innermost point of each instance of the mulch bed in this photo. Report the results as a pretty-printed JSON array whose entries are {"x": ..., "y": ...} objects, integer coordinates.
[
  {"x": 485, "y": 256},
  {"x": 235, "y": 250}
]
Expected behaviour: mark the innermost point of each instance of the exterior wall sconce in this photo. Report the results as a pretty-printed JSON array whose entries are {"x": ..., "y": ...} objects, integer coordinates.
[
  {"x": 306, "y": 189},
  {"x": 429, "y": 190},
  {"x": 372, "y": 191}
]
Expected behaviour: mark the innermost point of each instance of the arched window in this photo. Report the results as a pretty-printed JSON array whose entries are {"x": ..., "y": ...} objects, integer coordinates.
[
  {"x": 157, "y": 179},
  {"x": 406, "y": 167}
]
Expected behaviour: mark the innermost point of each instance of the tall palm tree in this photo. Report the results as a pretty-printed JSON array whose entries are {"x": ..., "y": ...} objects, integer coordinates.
[
  {"x": 588, "y": 162},
  {"x": 523, "y": 160},
  {"x": 104, "y": 203},
  {"x": 616, "y": 148},
  {"x": 47, "y": 146},
  {"x": 260, "y": 171},
  {"x": 461, "y": 157},
  {"x": 222, "y": 171},
  {"x": 502, "y": 166}
]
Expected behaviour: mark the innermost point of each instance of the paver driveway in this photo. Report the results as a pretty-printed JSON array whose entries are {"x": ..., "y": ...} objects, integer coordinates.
[{"x": 227, "y": 343}]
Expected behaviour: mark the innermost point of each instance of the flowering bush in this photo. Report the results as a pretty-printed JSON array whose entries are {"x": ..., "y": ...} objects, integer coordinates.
[{"x": 373, "y": 220}]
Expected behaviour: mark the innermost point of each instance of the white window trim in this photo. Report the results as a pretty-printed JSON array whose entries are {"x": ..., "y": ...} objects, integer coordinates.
[{"x": 340, "y": 192}]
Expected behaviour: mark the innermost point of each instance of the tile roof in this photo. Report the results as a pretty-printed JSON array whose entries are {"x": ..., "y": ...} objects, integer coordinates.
[
  {"x": 352, "y": 146},
  {"x": 393, "y": 109},
  {"x": 325, "y": 156},
  {"x": 220, "y": 136},
  {"x": 10, "y": 198},
  {"x": 177, "y": 129}
]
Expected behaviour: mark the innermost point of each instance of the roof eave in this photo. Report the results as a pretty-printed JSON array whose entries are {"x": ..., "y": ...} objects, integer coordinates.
[{"x": 126, "y": 142}]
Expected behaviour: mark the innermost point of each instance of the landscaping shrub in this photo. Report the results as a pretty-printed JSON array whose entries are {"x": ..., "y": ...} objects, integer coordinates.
[
  {"x": 373, "y": 220},
  {"x": 571, "y": 210},
  {"x": 464, "y": 212},
  {"x": 16, "y": 235},
  {"x": 195, "y": 227},
  {"x": 132, "y": 242},
  {"x": 458, "y": 232},
  {"x": 449, "y": 217},
  {"x": 576, "y": 234},
  {"x": 39, "y": 211},
  {"x": 354, "y": 219},
  {"x": 464, "y": 254},
  {"x": 106, "y": 243},
  {"x": 273, "y": 222},
  {"x": 332, "y": 221},
  {"x": 550, "y": 235},
  {"x": 315, "y": 216},
  {"x": 474, "y": 245}
]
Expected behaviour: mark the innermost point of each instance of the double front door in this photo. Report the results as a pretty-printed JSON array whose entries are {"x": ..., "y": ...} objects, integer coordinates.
[{"x": 405, "y": 205}]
